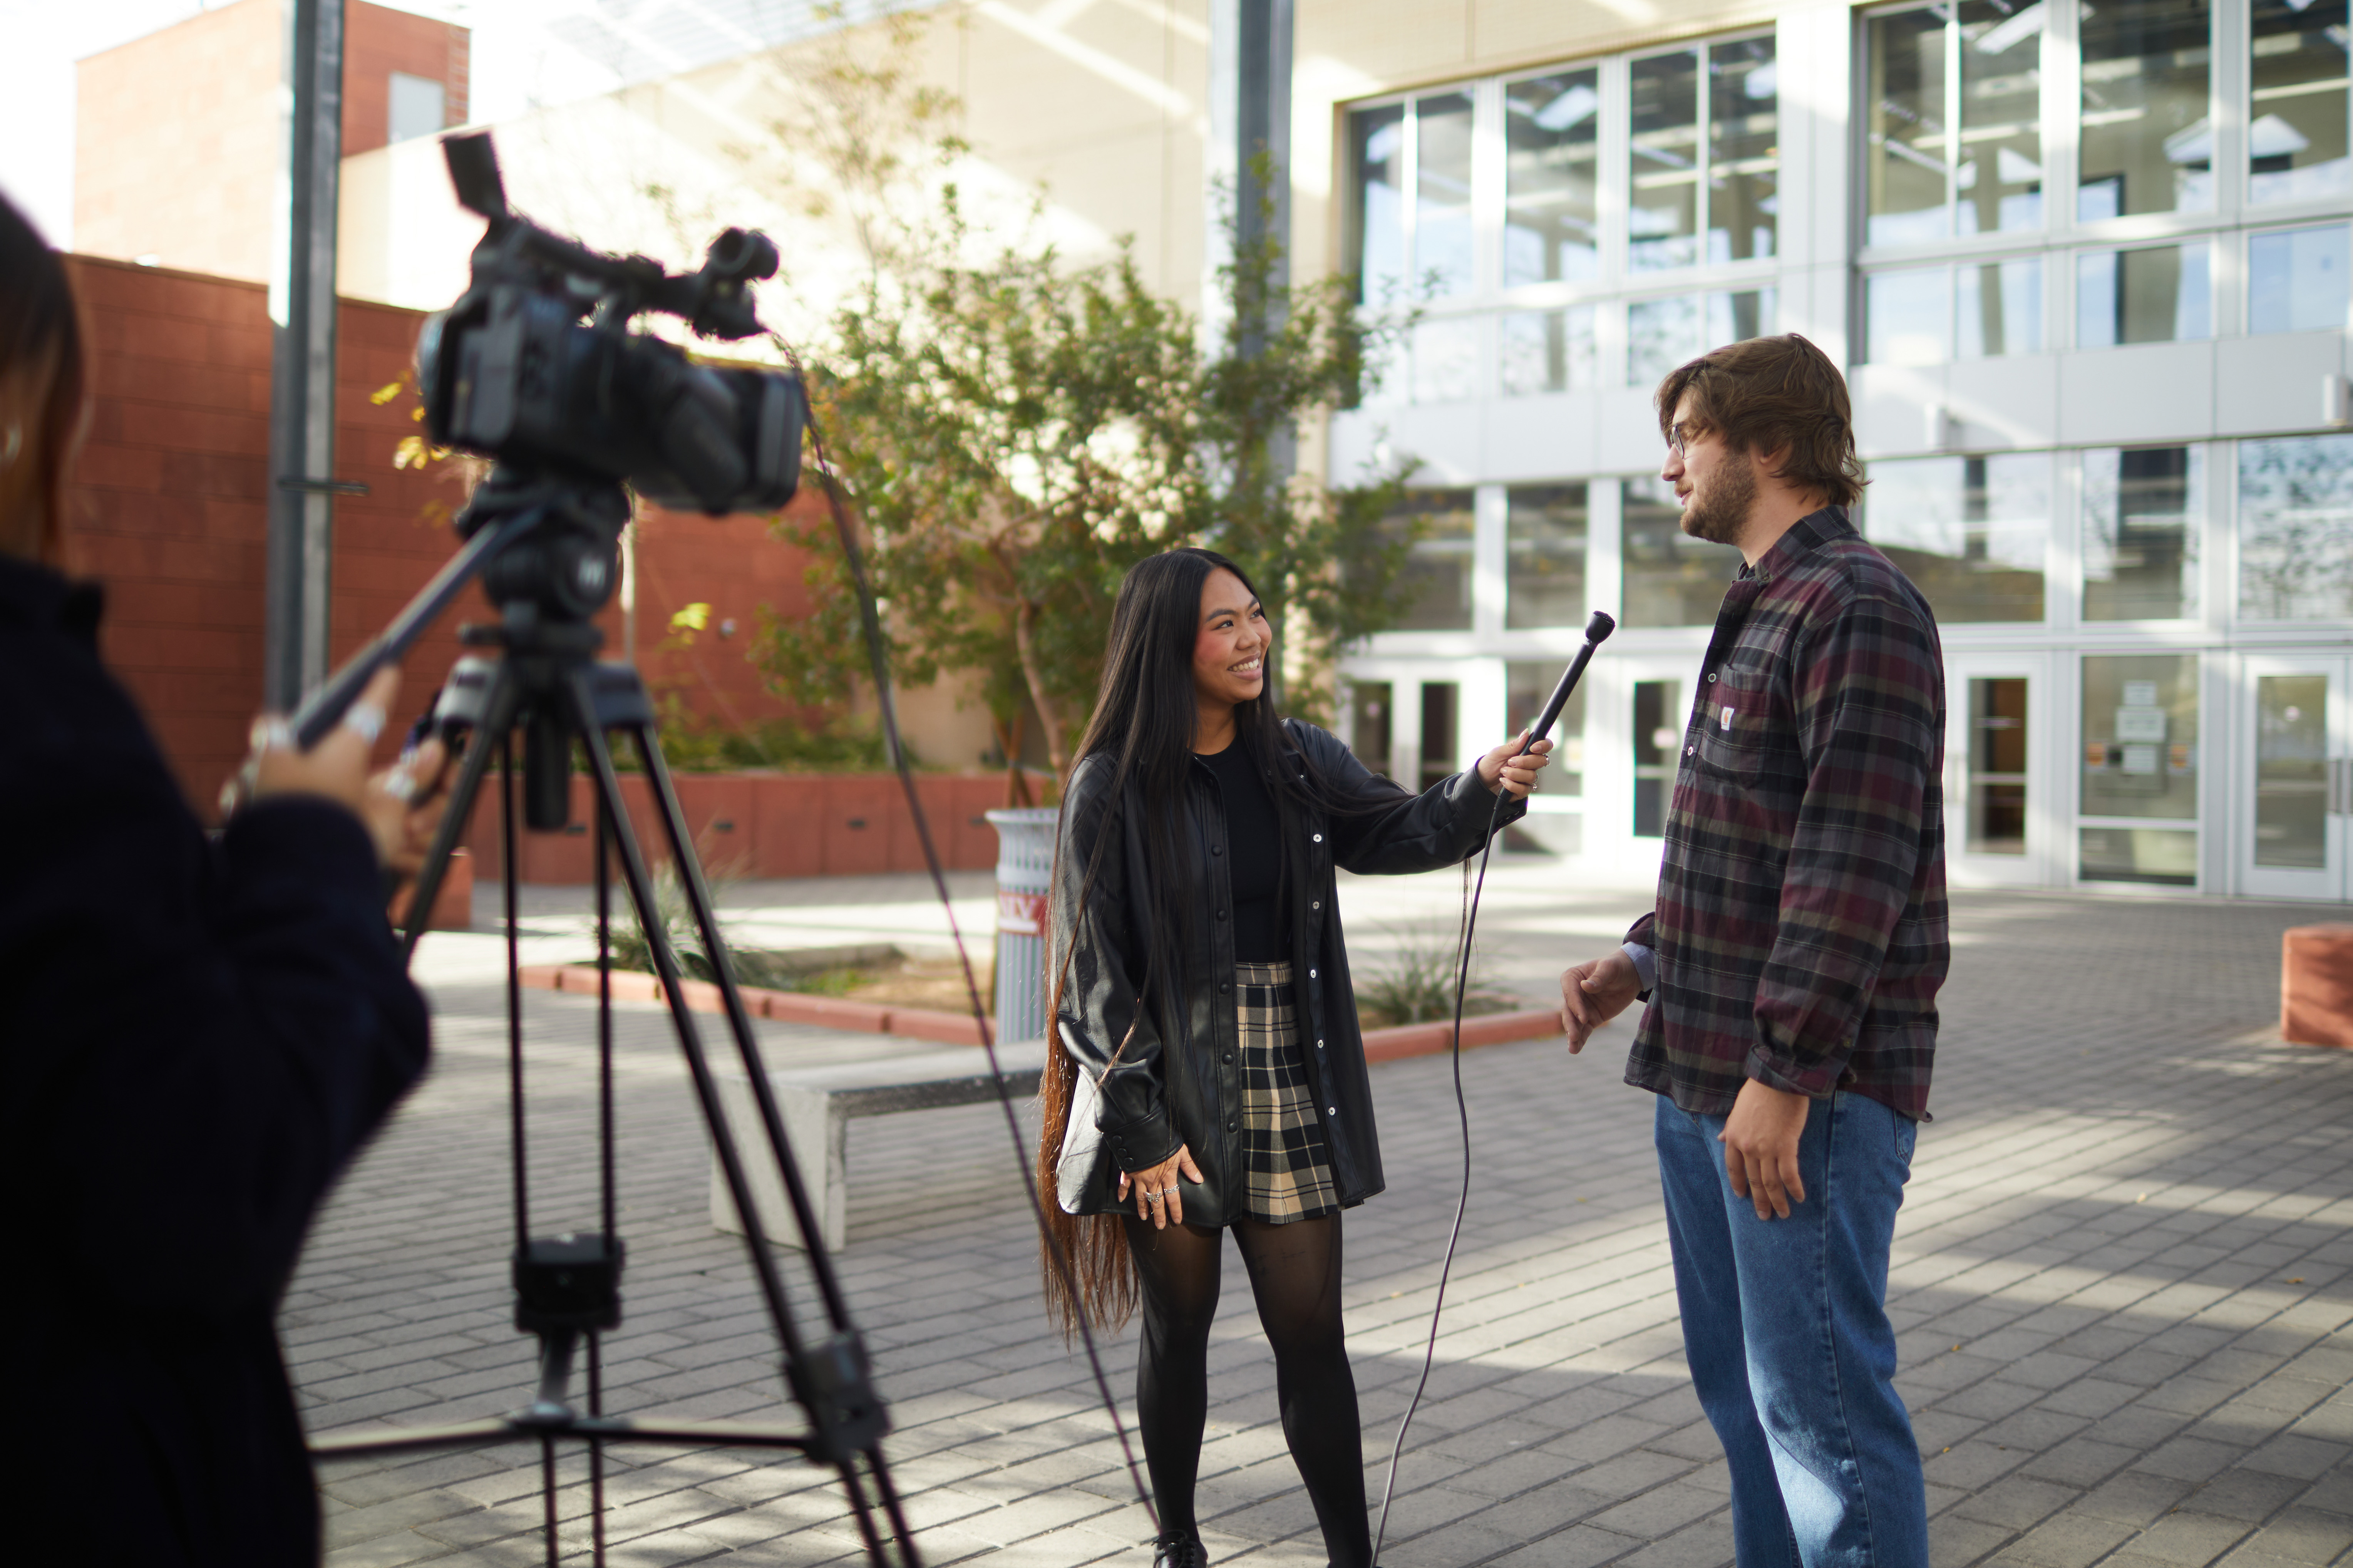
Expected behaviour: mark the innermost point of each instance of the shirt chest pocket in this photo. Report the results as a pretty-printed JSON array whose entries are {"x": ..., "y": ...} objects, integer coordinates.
[{"x": 1736, "y": 726}]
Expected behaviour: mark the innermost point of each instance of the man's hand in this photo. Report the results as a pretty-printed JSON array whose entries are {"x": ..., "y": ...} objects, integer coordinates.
[
  {"x": 1592, "y": 994},
  {"x": 1760, "y": 1147}
]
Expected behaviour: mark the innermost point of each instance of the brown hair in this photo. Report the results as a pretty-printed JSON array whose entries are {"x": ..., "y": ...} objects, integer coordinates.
[
  {"x": 38, "y": 322},
  {"x": 1775, "y": 394}
]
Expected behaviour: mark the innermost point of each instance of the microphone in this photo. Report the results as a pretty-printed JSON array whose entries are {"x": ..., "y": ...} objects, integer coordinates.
[{"x": 1597, "y": 632}]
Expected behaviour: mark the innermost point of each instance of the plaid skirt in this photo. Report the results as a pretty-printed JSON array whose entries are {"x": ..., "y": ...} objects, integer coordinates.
[{"x": 1288, "y": 1169}]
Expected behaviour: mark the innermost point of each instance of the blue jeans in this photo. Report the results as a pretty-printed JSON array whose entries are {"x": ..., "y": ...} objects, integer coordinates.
[{"x": 1785, "y": 1326}]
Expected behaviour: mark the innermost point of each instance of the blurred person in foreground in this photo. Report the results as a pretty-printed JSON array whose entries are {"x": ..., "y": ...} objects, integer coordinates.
[
  {"x": 1792, "y": 964},
  {"x": 197, "y": 1036}
]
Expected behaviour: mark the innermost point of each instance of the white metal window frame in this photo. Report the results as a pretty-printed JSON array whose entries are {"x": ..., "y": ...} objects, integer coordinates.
[
  {"x": 2063, "y": 235},
  {"x": 1616, "y": 285}
]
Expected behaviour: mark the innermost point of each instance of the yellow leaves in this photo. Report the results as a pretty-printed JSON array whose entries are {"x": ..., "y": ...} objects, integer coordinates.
[
  {"x": 414, "y": 451},
  {"x": 388, "y": 391},
  {"x": 686, "y": 622}
]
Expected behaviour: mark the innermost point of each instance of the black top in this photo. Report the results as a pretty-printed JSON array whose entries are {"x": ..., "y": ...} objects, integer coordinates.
[
  {"x": 1254, "y": 859},
  {"x": 196, "y": 1036}
]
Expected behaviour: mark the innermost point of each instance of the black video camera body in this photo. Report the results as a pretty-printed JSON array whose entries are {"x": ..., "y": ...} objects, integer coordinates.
[{"x": 512, "y": 371}]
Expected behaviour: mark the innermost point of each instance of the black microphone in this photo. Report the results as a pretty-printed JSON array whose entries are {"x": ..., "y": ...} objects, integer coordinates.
[{"x": 1597, "y": 632}]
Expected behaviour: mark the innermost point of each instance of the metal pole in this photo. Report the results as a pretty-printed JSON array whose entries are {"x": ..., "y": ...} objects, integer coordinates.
[{"x": 303, "y": 368}]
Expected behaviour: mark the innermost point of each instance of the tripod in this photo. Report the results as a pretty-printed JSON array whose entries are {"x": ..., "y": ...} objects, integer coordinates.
[{"x": 543, "y": 548}]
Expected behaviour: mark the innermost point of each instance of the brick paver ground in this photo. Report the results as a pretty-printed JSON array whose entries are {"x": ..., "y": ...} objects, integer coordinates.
[{"x": 2123, "y": 1278}]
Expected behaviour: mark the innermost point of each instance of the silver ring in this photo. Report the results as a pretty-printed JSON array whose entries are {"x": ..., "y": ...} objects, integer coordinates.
[
  {"x": 1156, "y": 1197},
  {"x": 272, "y": 733},
  {"x": 401, "y": 785},
  {"x": 367, "y": 720}
]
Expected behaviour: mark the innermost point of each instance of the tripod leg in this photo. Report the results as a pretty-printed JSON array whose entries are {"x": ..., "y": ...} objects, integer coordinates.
[
  {"x": 497, "y": 718},
  {"x": 738, "y": 1019}
]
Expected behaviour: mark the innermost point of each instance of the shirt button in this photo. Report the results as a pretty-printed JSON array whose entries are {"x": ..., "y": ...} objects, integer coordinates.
[
  {"x": 1220, "y": 849},
  {"x": 1221, "y": 914},
  {"x": 1229, "y": 1127},
  {"x": 1310, "y": 974},
  {"x": 1331, "y": 1110},
  {"x": 1230, "y": 1056},
  {"x": 1318, "y": 837},
  {"x": 1223, "y": 988},
  {"x": 1689, "y": 750},
  {"x": 1319, "y": 1044},
  {"x": 1711, "y": 677},
  {"x": 1317, "y": 905}
]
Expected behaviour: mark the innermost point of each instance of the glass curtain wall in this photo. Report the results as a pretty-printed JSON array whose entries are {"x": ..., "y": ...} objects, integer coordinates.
[{"x": 1687, "y": 218}]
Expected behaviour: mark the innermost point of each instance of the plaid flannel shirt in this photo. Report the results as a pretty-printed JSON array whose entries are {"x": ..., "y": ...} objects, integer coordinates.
[{"x": 1801, "y": 930}]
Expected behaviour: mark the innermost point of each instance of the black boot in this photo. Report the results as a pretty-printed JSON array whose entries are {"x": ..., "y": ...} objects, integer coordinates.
[{"x": 1182, "y": 1550}]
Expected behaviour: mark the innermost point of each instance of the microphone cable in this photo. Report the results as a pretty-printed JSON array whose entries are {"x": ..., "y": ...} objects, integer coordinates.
[
  {"x": 878, "y": 657},
  {"x": 1595, "y": 631}
]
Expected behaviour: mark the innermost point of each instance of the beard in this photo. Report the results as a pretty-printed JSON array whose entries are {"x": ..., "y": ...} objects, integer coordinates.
[{"x": 1719, "y": 512}]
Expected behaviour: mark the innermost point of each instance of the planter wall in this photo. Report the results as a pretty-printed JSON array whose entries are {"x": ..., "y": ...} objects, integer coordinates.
[{"x": 771, "y": 825}]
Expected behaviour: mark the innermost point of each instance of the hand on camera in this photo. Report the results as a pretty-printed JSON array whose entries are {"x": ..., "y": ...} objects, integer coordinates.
[
  {"x": 1157, "y": 1197},
  {"x": 400, "y": 806},
  {"x": 1515, "y": 764}
]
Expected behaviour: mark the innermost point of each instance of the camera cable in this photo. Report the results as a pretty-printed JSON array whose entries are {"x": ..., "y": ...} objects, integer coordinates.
[
  {"x": 1595, "y": 631},
  {"x": 878, "y": 657}
]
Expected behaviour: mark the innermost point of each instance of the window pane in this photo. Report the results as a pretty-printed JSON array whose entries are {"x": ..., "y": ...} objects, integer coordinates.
[
  {"x": 1968, "y": 530},
  {"x": 1543, "y": 530},
  {"x": 2295, "y": 528},
  {"x": 1438, "y": 570},
  {"x": 1527, "y": 687},
  {"x": 1441, "y": 234},
  {"x": 1904, "y": 316},
  {"x": 1999, "y": 309},
  {"x": 1907, "y": 127},
  {"x": 2295, "y": 138},
  {"x": 1743, "y": 149},
  {"x": 2140, "y": 759},
  {"x": 1996, "y": 760},
  {"x": 1658, "y": 733},
  {"x": 1672, "y": 579},
  {"x": 2296, "y": 280},
  {"x": 1664, "y": 334},
  {"x": 1369, "y": 716},
  {"x": 2000, "y": 174},
  {"x": 2148, "y": 144},
  {"x": 1664, "y": 225},
  {"x": 1376, "y": 207},
  {"x": 2164, "y": 295},
  {"x": 2292, "y": 771},
  {"x": 2143, "y": 512},
  {"x": 1445, "y": 361},
  {"x": 1548, "y": 351},
  {"x": 1550, "y": 147}
]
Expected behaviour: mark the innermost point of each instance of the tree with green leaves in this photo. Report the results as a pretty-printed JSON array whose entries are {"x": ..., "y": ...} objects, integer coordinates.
[{"x": 1012, "y": 432}]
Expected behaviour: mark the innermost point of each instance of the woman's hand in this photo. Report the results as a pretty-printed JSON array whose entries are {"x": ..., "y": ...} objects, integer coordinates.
[
  {"x": 1515, "y": 764},
  {"x": 400, "y": 807},
  {"x": 1157, "y": 1198}
]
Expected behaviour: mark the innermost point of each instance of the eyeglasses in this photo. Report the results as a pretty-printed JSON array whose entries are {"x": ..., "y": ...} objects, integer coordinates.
[{"x": 1681, "y": 434}]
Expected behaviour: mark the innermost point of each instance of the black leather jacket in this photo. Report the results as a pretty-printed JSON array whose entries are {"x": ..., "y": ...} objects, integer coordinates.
[{"x": 1187, "y": 1089}]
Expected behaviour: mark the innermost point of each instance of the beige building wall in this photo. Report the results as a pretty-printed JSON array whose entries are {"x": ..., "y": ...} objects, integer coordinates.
[
  {"x": 176, "y": 147},
  {"x": 1093, "y": 114}
]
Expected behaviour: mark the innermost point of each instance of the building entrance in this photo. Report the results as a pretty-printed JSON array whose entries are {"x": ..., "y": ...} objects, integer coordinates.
[{"x": 2293, "y": 775}]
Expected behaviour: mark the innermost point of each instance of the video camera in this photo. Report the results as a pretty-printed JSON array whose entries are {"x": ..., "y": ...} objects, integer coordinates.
[{"x": 536, "y": 364}]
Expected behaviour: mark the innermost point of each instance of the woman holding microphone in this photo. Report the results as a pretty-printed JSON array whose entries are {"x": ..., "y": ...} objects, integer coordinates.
[{"x": 1209, "y": 1075}]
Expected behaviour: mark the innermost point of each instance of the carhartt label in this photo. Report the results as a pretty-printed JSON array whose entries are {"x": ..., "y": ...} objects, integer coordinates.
[{"x": 1724, "y": 719}]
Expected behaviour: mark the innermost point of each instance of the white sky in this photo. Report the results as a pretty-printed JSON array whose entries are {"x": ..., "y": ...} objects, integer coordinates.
[{"x": 517, "y": 65}]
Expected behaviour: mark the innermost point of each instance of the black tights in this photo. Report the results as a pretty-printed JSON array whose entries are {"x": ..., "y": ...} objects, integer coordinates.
[{"x": 1294, "y": 1273}]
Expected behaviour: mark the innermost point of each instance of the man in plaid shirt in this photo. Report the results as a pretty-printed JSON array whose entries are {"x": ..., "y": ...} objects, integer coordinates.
[{"x": 1792, "y": 963}]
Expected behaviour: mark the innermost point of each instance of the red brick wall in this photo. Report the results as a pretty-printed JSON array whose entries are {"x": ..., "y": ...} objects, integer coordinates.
[
  {"x": 171, "y": 511},
  {"x": 377, "y": 41}
]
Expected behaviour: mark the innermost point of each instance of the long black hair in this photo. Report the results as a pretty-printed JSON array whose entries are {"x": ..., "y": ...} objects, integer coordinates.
[
  {"x": 37, "y": 318},
  {"x": 1146, "y": 722}
]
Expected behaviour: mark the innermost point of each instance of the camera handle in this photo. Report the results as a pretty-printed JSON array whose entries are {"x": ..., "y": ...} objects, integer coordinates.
[{"x": 547, "y": 675}]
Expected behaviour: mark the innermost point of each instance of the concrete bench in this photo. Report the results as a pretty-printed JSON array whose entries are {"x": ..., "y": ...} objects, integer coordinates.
[{"x": 816, "y": 1105}]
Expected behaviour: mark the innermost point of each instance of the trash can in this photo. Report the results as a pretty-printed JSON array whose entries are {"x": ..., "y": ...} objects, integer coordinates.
[{"x": 1025, "y": 866}]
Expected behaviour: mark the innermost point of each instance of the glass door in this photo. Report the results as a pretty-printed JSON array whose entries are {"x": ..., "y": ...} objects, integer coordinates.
[
  {"x": 1998, "y": 784},
  {"x": 2296, "y": 784}
]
